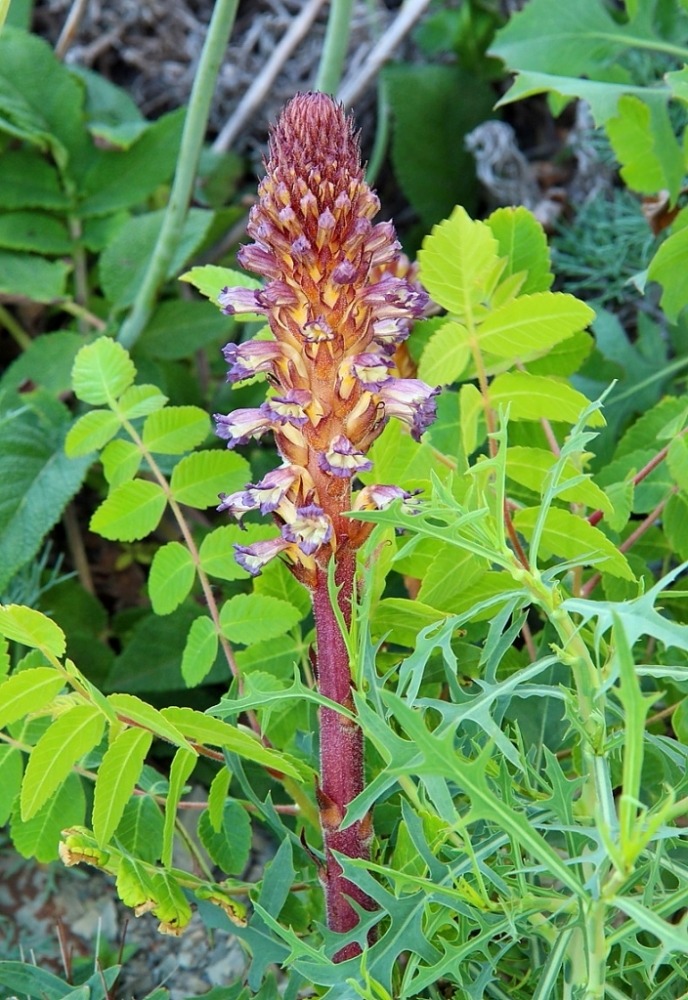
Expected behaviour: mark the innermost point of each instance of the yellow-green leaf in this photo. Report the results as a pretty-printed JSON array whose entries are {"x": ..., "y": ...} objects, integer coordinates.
[
  {"x": 573, "y": 538},
  {"x": 200, "y": 651},
  {"x": 171, "y": 577},
  {"x": 531, "y": 397},
  {"x": 130, "y": 512},
  {"x": 133, "y": 710},
  {"x": 445, "y": 356},
  {"x": 217, "y": 549},
  {"x": 529, "y": 467},
  {"x": 28, "y": 691},
  {"x": 31, "y": 628},
  {"x": 102, "y": 371},
  {"x": 91, "y": 432},
  {"x": 121, "y": 460},
  {"x": 249, "y": 618},
  {"x": 532, "y": 324},
  {"x": 140, "y": 400},
  {"x": 176, "y": 429},
  {"x": 182, "y": 766},
  {"x": 199, "y": 478},
  {"x": 523, "y": 241},
  {"x": 117, "y": 776},
  {"x": 457, "y": 260}
]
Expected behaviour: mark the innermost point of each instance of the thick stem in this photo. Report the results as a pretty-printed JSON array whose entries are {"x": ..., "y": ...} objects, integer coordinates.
[{"x": 341, "y": 756}]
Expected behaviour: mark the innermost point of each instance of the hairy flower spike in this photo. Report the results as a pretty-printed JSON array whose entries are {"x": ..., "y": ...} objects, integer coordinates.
[{"x": 338, "y": 302}]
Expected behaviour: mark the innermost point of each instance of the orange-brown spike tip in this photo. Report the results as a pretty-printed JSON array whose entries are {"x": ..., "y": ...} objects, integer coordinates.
[{"x": 313, "y": 133}]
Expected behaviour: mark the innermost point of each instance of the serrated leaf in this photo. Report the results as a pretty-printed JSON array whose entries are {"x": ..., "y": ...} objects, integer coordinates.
[
  {"x": 529, "y": 467},
  {"x": 28, "y": 691},
  {"x": 217, "y": 549},
  {"x": 47, "y": 362},
  {"x": 91, "y": 432},
  {"x": 532, "y": 323},
  {"x": 34, "y": 231},
  {"x": 130, "y": 512},
  {"x": 572, "y": 537},
  {"x": 4, "y": 657},
  {"x": 134, "y": 711},
  {"x": 121, "y": 460},
  {"x": 401, "y": 619},
  {"x": 204, "y": 729},
  {"x": 30, "y": 181},
  {"x": 675, "y": 519},
  {"x": 522, "y": 240},
  {"x": 471, "y": 407},
  {"x": 200, "y": 651},
  {"x": 277, "y": 581},
  {"x": 621, "y": 497},
  {"x": 216, "y": 798},
  {"x": 140, "y": 829},
  {"x": 11, "y": 770},
  {"x": 230, "y": 845},
  {"x": 563, "y": 359},
  {"x": 140, "y": 401},
  {"x": 182, "y": 766},
  {"x": 171, "y": 577},
  {"x": 31, "y": 628},
  {"x": 39, "y": 836},
  {"x": 172, "y": 910},
  {"x": 531, "y": 397},
  {"x": 211, "y": 279},
  {"x": 445, "y": 356},
  {"x": 249, "y": 618},
  {"x": 28, "y": 276},
  {"x": 677, "y": 460},
  {"x": 643, "y": 139},
  {"x": 66, "y": 741},
  {"x": 117, "y": 776},
  {"x": 456, "y": 261},
  {"x": 198, "y": 479},
  {"x": 102, "y": 371},
  {"x": 176, "y": 429}
]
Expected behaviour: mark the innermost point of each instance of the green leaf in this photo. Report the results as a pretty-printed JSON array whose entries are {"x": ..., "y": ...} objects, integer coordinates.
[
  {"x": 216, "y": 798},
  {"x": 564, "y": 358},
  {"x": 530, "y": 397},
  {"x": 131, "y": 511},
  {"x": 276, "y": 581},
  {"x": 176, "y": 429},
  {"x": 529, "y": 467},
  {"x": 249, "y": 618},
  {"x": 644, "y": 162},
  {"x": 124, "y": 261},
  {"x": 229, "y": 846},
  {"x": 402, "y": 619},
  {"x": 34, "y": 231},
  {"x": 91, "y": 432},
  {"x": 171, "y": 577},
  {"x": 200, "y": 651},
  {"x": 445, "y": 356},
  {"x": 31, "y": 277},
  {"x": 102, "y": 371},
  {"x": 4, "y": 657},
  {"x": 532, "y": 323},
  {"x": 621, "y": 497},
  {"x": 672, "y": 936},
  {"x": 198, "y": 479},
  {"x": 522, "y": 240},
  {"x": 133, "y": 710},
  {"x": 677, "y": 460},
  {"x": 140, "y": 400},
  {"x": 125, "y": 178},
  {"x": 121, "y": 460},
  {"x": 431, "y": 162},
  {"x": 572, "y": 537},
  {"x": 117, "y": 776},
  {"x": 31, "y": 628},
  {"x": 66, "y": 741},
  {"x": 28, "y": 691},
  {"x": 173, "y": 910},
  {"x": 449, "y": 574},
  {"x": 39, "y": 836},
  {"x": 140, "y": 828},
  {"x": 47, "y": 362},
  {"x": 211, "y": 279},
  {"x": 32, "y": 981},
  {"x": 471, "y": 408},
  {"x": 182, "y": 766},
  {"x": 674, "y": 519},
  {"x": 11, "y": 770},
  {"x": 457, "y": 260},
  {"x": 217, "y": 549},
  {"x": 30, "y": 181},
  {"x": 204, "y": 729},
  {"x": 179, "y": 328},
  {"x": 668, "y": 267},
  {"x": 276, "y": 659}
]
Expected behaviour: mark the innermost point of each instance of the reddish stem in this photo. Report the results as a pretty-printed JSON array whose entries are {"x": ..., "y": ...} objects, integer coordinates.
[{"x": 341, "y": 756}]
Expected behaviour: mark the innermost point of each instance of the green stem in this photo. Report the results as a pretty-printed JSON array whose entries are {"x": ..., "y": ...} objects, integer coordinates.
[
  {"x": 16, "y": 331},
  {"x": 195, "y": 125},
  {"x": 381, "y": 133},
  {"x": 335, "y": 45},
  {"x": 649, "y": 44}
]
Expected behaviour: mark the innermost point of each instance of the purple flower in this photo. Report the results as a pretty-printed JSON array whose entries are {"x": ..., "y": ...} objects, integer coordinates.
[
  {"x": 251, "y": 358},
  {"x": 241, "y": 425},
  {"x": 394, "y": 298},
  {"x": 378, "y": 497},
  {"x": 317, "y": 331},
  {"x": 382, "y": 244},
  {"x": 253, "y": 557},
  {"x": 310, "y": 529},
  {"x": 239, "y": 300},
  {"x": 238, "y": 503},
  {"x": 342, "y": 460},
  {"x": 410, "y": 400},
  {"x": 289, "y": 408},
  {"x": 271, "y": 490}
]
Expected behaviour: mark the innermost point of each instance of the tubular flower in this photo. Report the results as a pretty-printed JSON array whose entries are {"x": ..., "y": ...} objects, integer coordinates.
[{"x": 338, "y": 303}]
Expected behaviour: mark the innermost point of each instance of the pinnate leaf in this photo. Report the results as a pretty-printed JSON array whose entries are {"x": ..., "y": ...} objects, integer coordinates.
[
  {"x": 102, "y": 371},
  {"x": 531, "y": 397},
  {"x": 249, "y": 618},
  {"x": 117, "y": 776},
  {"x": 522, "y": 240},
  {"x": 176, "y": 429},
  {"x": 171, "y": 577},
  {"x": 140, "y": 400},
  {"x": 91, "y": 432},
  {"x": 445, "y": 356},
  {"x": 200, "y": 651},
  {"x": 532, "y": 324},
  {"x": 28, "y": 691},
  {"x": 66, "y": 741},
  {"x": 457, "y": 260},
  {"x": 31, "y": 628},
  {"x": 198, "y": 479},
  {"x": 571, "y": 537},
  {"x": 130, "y": 512},
  {"x": 650, "y": 156},
  {"x": 133, "y": 710}
]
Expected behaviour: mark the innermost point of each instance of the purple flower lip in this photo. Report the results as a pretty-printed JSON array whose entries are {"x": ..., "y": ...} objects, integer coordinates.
[
  {"x": 411, "y": 401},
  {"x": 309, "y": 529},
  {"x": 238, "y": 503},
  {"x": 379, "y": 496},
  {"x": 342, "y": 460},
  {"x": 251, "y": 358},
  {"x": 271, "y": 491},
  {"x": 253, "y": 557},
  {"x": 289, "y": 408},
  {"x": 318, "y": 331},
  {"x": 345, "y": 273},
  {"x": 241, "y": 425},
  {"x": 395, "y": 298},
  {"x": 370, "y": 369},
  {"x": 240, "y": 300}
]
